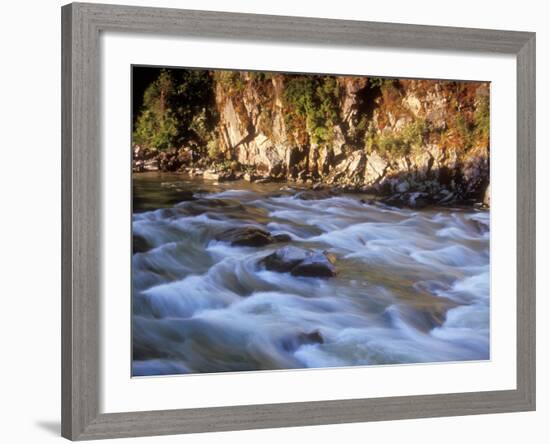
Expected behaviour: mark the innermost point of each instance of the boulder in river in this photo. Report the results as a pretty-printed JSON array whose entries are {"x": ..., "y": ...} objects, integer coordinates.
[
  {"x": 284, "y": 259},
  {"x": 316, "y": 264},
  {"x": 299, "y": 262},
  {"x": 251, "y": 237},
  {"x": 246, "y": 237},
  {"x": 281, "y": 238},
  {"x": 292, "y": 343},
  {"x": 211, "y": 175},
  {"x": 220, "y": 176},
  {"x": 139, "y": 244},
  {"x": 415, "y": 200},
  {"x": 315, "y": 195}
]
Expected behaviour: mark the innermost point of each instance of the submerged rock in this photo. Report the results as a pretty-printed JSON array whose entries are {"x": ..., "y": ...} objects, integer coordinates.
[
  {"x": 218, "y": 175},
  {"x": 186, "y": 195},
  {"x": 481, "y": 227},
  {"x": 251, "y": 237},
  {"x": 315, "y": 195},
  {"x": 316, "y": 264},
  {"x": 263, "y": 180},
  {"x": 300, "y": 262},
  {"x": 281, "y": 238},
  {"x": 415, "y": 200},
  {"x": 139, "y": 244},
  {"x": 246, "y": 237},
  {"x": 292, "y": 343},
  {"x": 198, "y": 206},
  {"x": 284, "y": 259},
  {"x": 313, "y": 337}
]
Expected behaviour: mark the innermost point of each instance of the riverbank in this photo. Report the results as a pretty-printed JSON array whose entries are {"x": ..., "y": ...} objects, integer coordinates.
[
  {"x": 392, "y": 192},
  {"x": 413, "y": 142}
]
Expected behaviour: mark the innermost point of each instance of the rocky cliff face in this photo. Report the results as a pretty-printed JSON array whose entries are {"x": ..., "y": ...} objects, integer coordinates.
[{"x": 388, "y": 136}]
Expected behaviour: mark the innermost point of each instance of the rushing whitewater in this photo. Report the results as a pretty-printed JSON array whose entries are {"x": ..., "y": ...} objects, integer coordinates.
[{"x": 411, "y": 286}]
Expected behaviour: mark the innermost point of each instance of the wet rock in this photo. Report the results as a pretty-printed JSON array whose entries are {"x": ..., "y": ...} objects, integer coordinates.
[
  {"x": 487, "y": 197},
  {"x": 186, "y": 195},
  {"x": 315, "y": 195},
  {"x": 174, "y": 159},
  {"x": 262, "y": 180},
  {"x": 418, "y": 200},
  {"x": 144, "y": 159},
  {"x": 211, "y": 175},
  {"x": 139, "y": 244},
  {"x": 219, "y": 176},
  {"x": 317, "y": 186},
  {"x": 315, "y": 265},
  {"x": 182, "y": 195},
  {"x": 415, "y": 200},
  {"x": 313, "y": 337},
  {"x": 284, "y": 259},
  {"x": 367, "y": 201},
  {"x": 445, "y": 197},
  {"x": 281, "y": 238},
  {"x": 292, "y": 343},
  {"x": 150, "y": 165},
  {"x": 246, "y": 237},
  {"x": 480, "y": 226},
  {"x": 137, "y": 166},
  {"x": 393, "y": 201},
  {"x": 200, "y": 206},
  {"x": 402, "y": 187},
  {"x": 250, "y": 177},
  {"x": 300, "y": 262}
]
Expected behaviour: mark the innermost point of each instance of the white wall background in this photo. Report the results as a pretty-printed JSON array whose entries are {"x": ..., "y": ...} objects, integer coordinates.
[{"x": 30, "y": 221}]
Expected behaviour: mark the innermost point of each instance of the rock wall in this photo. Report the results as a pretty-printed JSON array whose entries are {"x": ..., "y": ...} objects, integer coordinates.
[{"x": 388, "y": 136}]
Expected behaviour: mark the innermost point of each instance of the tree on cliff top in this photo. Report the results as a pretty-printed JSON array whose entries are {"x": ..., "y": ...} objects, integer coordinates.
[{"x": 178, "y": 107}]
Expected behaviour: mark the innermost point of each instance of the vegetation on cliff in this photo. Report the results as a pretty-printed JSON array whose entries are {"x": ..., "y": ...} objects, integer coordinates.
[
  {"x": 311, "y": 108},
  {"x": 178, "y": 108}
]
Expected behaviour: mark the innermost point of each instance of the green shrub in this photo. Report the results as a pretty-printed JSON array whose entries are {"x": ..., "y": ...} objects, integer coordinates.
[
  {"x": 259, "y": 76},
  {"x": 232, "y": 82},
  {"x": 398, "y": 144},
  {"x": 482, "y": 117},
  {"x": 213, "y": 149},
  {"x": 466, "y": 131},
  {"x": 177, "y": 106},
  {"x": 155, "y": 130},
  {"x": 380, "y": 82},
  {"x": 312, "y": 106},
  {"x": 414, "y": 133},
  {"x": 392, "y": 145}
]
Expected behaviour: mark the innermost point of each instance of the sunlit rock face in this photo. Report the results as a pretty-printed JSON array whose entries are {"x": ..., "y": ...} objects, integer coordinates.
[{"x": 411, "y": 135}]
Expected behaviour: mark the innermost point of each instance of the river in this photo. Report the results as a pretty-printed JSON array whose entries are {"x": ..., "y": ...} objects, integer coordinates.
[{"x": 412, "y": 286}]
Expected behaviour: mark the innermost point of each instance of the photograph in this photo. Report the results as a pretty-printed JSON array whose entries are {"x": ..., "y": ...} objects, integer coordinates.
[{"x": 285, "y": 221}]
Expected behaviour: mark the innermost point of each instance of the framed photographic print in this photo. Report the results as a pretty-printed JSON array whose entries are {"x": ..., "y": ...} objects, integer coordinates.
[{"x": 277, "y": 221}]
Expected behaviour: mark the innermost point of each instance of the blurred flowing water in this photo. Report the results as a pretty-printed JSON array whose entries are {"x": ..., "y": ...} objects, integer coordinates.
[{"x": 411, "y": 286}]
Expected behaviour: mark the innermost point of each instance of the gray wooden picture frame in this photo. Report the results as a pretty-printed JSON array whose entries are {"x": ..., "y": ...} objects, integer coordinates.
[{"x": 81, "y": 239}]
